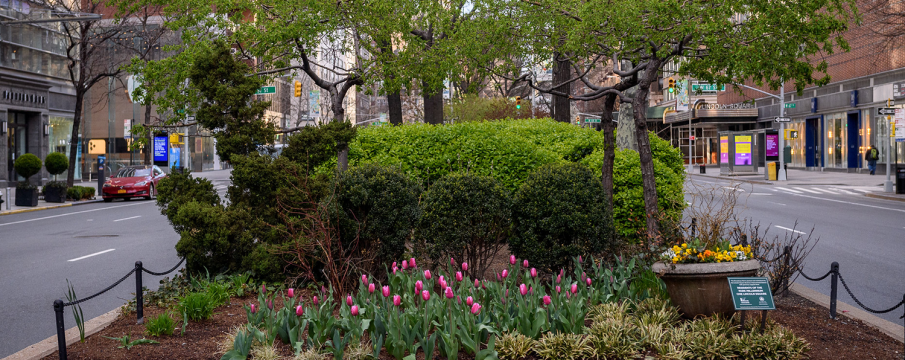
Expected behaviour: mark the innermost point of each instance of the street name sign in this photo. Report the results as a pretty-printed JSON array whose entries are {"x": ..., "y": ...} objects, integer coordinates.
[
  {"x": 790, "y": 105},
  {"x": 707, "y": 88},
  {"x": 783, "y": 119},
  {"x": 751, "y": 293},
  {"x": 266, "y": 90},
  {"x": 886, "y": 111},
  {"x": 592, "y": 120}
]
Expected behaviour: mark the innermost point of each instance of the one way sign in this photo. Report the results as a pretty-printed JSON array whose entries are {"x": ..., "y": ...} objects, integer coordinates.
[{"x": 886, "y": 111}]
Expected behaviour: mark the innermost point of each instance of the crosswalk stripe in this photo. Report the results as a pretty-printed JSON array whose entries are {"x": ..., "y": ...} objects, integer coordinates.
[
  {"x": 844, "y": 191},
  {"x": 810, "y": 191},
  {"x": 789, "y": 190},
  {"x": 825, "y": 191},
  {"x": 863, "y": 190}
]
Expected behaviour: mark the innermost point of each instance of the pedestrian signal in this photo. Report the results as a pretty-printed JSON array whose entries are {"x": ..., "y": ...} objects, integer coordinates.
[{"x": 790, "y": 134}]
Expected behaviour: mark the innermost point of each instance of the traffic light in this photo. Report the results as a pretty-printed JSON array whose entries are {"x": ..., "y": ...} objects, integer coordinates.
[
  {"x": 518, "y": 102},
  {"x": 298, "y": 89},
  {"x": 671, "y": 85},
  {"x": 577, "y": 120}
]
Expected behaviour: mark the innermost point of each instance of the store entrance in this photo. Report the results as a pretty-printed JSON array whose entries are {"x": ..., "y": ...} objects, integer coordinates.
[
  {"x": 17, "y": 141},
  {"x": 812, "y": 143},
  {"x": 853, "y": 127}
]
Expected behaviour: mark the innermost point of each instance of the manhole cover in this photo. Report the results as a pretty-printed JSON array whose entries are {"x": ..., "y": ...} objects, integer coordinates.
[{"x": 93, "y": 236}]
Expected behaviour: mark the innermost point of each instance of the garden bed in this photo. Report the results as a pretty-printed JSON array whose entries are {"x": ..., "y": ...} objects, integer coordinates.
[{"x": 829, "y": 339}]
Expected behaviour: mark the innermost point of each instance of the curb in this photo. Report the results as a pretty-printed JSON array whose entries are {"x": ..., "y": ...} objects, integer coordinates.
[
  {"x": 885, "y": 197},
  {"x": 894, "y": 331},
  {"x": 74, "y": 203},
  {"x": 49, "y": 345}
]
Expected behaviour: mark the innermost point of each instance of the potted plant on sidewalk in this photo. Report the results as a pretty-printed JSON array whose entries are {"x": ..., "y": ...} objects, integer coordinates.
[
  {"x": 55, "y": 191},
  {"x": 26, "y": 166}
]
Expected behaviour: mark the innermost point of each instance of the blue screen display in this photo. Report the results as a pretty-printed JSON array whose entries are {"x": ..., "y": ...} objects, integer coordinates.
[{"x": 160, "y": 148}]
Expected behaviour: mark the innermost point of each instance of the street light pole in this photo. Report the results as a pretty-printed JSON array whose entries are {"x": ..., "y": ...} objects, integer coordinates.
[
  {"x": 781, "y": 172},
  {"x": 888, "y": 184}
]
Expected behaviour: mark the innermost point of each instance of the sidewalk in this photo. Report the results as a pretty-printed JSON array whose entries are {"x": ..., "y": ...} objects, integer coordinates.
[
  {"x": 797, "y": 177},
  {"x": 9, "y": 206}
]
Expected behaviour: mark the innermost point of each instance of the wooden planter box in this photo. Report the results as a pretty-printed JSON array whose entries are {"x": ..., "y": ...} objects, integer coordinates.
[{"x": 702, "y": 289}]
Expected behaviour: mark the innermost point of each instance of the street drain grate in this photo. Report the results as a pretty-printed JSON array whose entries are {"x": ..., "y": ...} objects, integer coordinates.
[{"x": 93, "y": 236}]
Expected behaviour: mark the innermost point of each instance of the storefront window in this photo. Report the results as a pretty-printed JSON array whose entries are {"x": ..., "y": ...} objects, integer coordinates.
[
  {"x": 58, "y": 141},
  {"x": 797, "y": 144},
  {"x": 835, "y": 140}
]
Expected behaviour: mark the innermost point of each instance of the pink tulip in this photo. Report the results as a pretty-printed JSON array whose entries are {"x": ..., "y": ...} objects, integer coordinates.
[
  {"x": 264, "y": 288},
  {"x": 531, "y": 290},
  {"x": 254, "y": 309},
  {"x": 291, "y": 292},
  {"x": 574, "y": 288},
  {"x": 412, "y": 262},
  {"x": 426, "y": 295},
  {"x": 546, "y": 300},
  {"x": 442, "y": 284},
  {"x": 394, "y": 264},
  {"x": 427, "y": 274},
  {"x": 525, "y": 263},
  {"x": 397, "y": 300},
  {"x": 505, "y": 273},
  {"x": 394, "y": 270},
  {"x": 558, "y": 289},
  {"x": 270, "y": 304},
  {"x": 562, "y": 272},
  {"x": 364, "y": 278},
  {"x": 386, "y": 290},
  {"x": 354, "y": 310},
  {"x": 449, "y": 293},
  {"x": 533, "y": 272},
  {"x": 418, "y": 286},
  {"x": 579, "y": 259},
  {"x": 583, "y": 276},
  {"x": 458, "y": 276},
  {"x": 558, "y": 279},
  {"x": 323, "y": 290},
  {"x": 405, "y": 265},
  {"x": 458, "y": 300},
  {"x": 349, "y": 300},
  {"x": 568, "y": 295},
  {"x": 588, "y": 280},
  {"x": 452, "y": 261},
  {"x": 299, "y": 310},
  {"x": 477, "y": 283},
  {"x": 371, "y": 288},
  {"x": 522, "y": 289},
  {"x": 511, "y": 259},
  {"x": 464, "y": 266},
  {"x": 314, "y": 300},
  {"x": 442, "y": 278},
  {"x": 469, "y": 301},
  {"x": 483, "y": 285},
  {"x": 507, "y": 293},
  {"x": 476, "y": 308}
]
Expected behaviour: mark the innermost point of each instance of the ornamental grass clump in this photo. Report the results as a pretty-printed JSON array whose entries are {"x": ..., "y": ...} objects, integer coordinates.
[
  {"x": 513, "y": 346},
  {"x": 563, "y": 346}
]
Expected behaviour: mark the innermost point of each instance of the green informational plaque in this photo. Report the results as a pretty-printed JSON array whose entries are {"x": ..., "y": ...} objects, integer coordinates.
[{"x": 751, "y": 293}]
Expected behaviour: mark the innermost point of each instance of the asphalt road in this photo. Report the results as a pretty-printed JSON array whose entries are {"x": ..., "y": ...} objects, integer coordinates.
[
  {"x": 866, "y": 236},
  {"x": 92, "y": 246}
]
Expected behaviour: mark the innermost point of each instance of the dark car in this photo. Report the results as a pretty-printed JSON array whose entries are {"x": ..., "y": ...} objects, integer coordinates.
[{"x": 133, "y": 181}]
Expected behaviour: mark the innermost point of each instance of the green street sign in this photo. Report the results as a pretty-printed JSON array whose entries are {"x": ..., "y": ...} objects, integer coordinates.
[
  {"x": 751, "y": 293},
  {"x": 790, "y": 105},
  {"x": 266, "y": 90},
  {"x": 707, "y": 88},
  {"x": 592, "y": 120}
]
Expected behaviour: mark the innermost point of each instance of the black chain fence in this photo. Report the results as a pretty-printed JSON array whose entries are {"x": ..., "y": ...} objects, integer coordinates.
[{"x": 59, "y": 305}]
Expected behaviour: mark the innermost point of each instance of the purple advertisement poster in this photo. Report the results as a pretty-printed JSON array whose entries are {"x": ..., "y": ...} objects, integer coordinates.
[
  {"x": 772, "y": 144},
  {"x": 743, "y": 150},
  {"x": 724, "y": 149}
]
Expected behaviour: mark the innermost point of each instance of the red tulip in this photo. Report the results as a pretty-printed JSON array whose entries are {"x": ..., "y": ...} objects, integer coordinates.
[
  {"x": 464, "y": 266},
  {"x": 397, "y": 300},
  {"x": 511, "y": 259},
  {"x": 426, "y": 295},
  {"x": 458, "y": 276},
  {"x": 427, "y": 274},
  {"x": 449, "y": 293},
  {"x": 371, "y": 288},
  {"x": 291, "y": 292},
  {"x": 522, "y": 289},
  {"x": 386, "y": 291},
  {"x": 469, "y": 301},
  {"x": 476, "y": 308},
  {"x": 546, "y": 300},
  {"x": 349, "y": 300},
  {"x": 299, "y": 310},
  {"x": 533, "y": 272},
  {"x": 418, "y": 286},
  {"x": 354, "y": 310}
]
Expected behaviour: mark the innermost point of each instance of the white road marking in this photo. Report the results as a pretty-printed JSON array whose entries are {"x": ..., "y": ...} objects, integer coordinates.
[
  {"x": 764, "y": 194},
  {"x": 792, "y": 230},
  {"x": 780, "y": 204},
  {"x": 789, "y": 190},
  {"x": 824, "y": 191},
  {"x": 863, "y": 190},
  {"x": 853, "y": 203},
  {"x": 88, "y": 256},
  {"x": 844, "y": 191},
  {"x": 128, "y": 218},
  {"x": 810, "y": 191},
  {"x": 733, "y": 188},
  {"x": 73, "y": 213}
]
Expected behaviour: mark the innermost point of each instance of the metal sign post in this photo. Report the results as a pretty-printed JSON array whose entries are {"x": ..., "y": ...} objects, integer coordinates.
[{"x": 888, "y": 111}]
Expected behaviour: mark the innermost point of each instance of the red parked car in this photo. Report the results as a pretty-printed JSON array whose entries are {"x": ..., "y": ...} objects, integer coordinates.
[{"x": 133, "y": 181}]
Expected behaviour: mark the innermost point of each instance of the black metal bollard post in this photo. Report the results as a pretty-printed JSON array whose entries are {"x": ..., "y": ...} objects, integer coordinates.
[
  {"x": 834, "y": 285},
  {"x": 786, "y": 255},
  {"x": 694, "y": 225},
  {"x": 61, "y": 328},
  {"x": 139, "y": 296}
]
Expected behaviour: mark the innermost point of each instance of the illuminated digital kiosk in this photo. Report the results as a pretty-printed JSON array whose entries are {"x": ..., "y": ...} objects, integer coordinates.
[
  {"x": 737, "y": 153},
  {"x": 161, "y": 147}
]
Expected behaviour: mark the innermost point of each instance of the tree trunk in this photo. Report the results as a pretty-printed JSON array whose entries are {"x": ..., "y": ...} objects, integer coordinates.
[
  {"x": 394, "y": 103},
  {"x": 339, "y": 114},
  {"x": 639, "y": 108},
  {"x": 433, "y": 105},
  {"x": 149, "y": 145},
  {"x": 561, "y": 105},
  {"x": 609, "y": 150},
  {"x": 74, "y": 138},
  {"x": 625, "y": 131}
]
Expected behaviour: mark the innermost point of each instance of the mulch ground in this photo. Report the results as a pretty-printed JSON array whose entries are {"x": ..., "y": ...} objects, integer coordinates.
[{"x": 844, "y": 338}]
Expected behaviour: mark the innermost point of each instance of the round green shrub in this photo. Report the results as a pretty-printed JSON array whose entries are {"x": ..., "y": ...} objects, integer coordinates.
[
  {"x": 467, "y": 217},
  {"x": 559, "y": 214},
  {"x": 56, "y": 163},
  {"x": 378, "y": 207},
  {"x": 27, "y": 165}
]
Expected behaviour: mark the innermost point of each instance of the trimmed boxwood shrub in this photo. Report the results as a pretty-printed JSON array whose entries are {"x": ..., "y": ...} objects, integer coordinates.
[
  {"x": 56, "y": 163},
  {"x": 467, "y": 217},
  {"x": 559, "y": 214},
  {"x": 26, "y": 166},
  {"x": 378, "y": 206}
]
